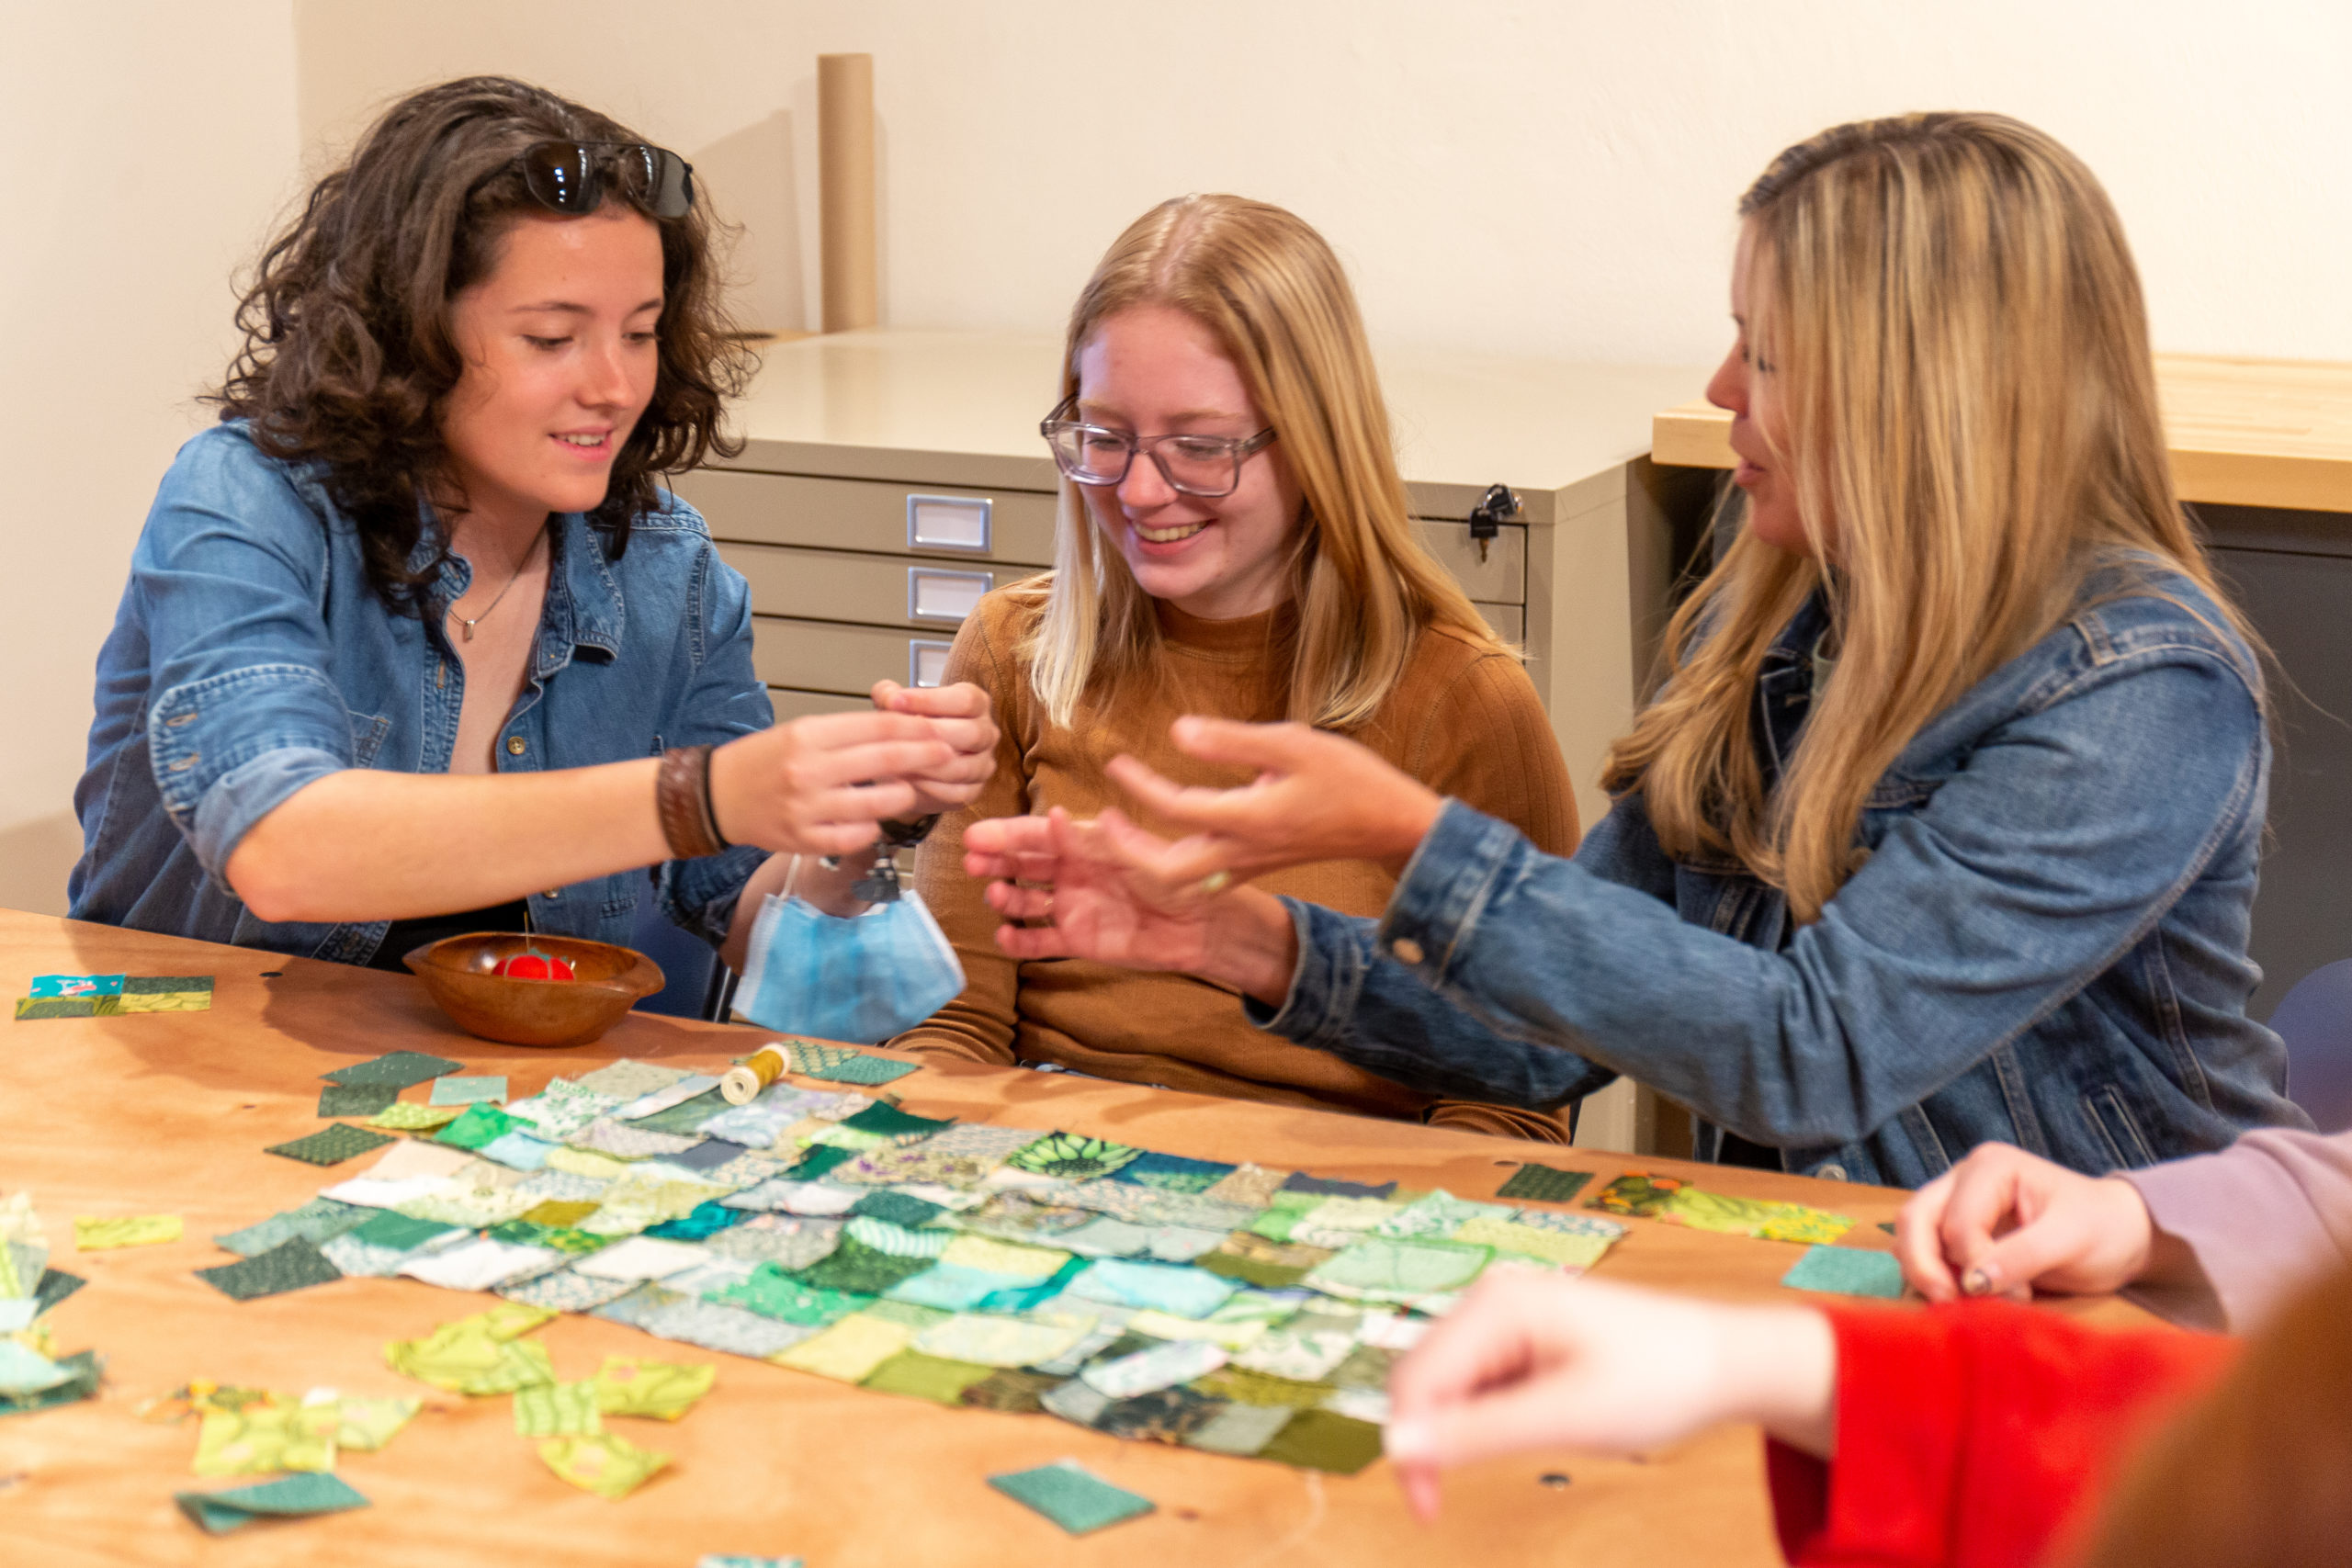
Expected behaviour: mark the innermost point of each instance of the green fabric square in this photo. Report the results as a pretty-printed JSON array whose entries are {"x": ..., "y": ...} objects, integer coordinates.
[
  {"x": 31, "y": 1007},
  {"x": 1164, "y": 1415},
  {"x": 289, "y": 1266},
  {"x": 1245, "y": 1387},
  {"x": 896, "y": 1124},
  {"x": 398, "y": 1231},
  {"x": 319, "y": 1222},
  {"x": 1545, "y": 1184},
  {"x": 559, "y": 1410},
  {"x": 819, "y": 1160},
  {"x": 918, "y": 1376},
  {"x": 772, "y": 1292},
  {"x": 332, "y": 1146},
  {"x": 315, "y": 1491},
  {"x": 406, "y": 1116},
  {"x": 453, "y": 1090},
  {"x": 164, "y": 985},
  {"x": 685, "y": 1119},
  {"x": 357, "y": 1099},
  {"x": 55, "y": 1285},
  {"x": 835, "y": 1065},
  {"x": 867, "y": 1270},
  {"x": 898, "y": 1208},
  {"x": 1847, "y": 1271},
  {"x": 1324, "y": 1439},
  {"x": 83, "y": 1369},
  {"x": 1072, "y": 1157},
  {"x": 1072, "y": 1496},
  {"x": 399, "y": 1069},
  {"x": 481, "y": 1124},
  {"x": 1010, "y": 1390}
]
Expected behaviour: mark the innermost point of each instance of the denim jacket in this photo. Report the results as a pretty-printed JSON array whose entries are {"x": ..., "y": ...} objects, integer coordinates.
[
  {"x": 250, "y": 657},
  {"x": 2047, "y": 944}
]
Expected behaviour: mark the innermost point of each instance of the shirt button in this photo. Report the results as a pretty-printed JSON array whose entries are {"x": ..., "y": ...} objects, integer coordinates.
[
  {"x": 1407, "y": 950},
  {"x": 1831, "y": 1173},
  {"x": 555, "y": 893},
  {"x": 515, "y": 746}
]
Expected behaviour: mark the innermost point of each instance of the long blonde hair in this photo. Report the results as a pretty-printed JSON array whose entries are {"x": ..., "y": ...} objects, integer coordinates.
[
  {"x": 1959, "y": 338},
  {"x": 1269, "y": 287}
]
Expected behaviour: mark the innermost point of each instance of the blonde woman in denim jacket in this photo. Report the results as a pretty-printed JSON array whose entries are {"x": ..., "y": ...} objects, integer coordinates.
[{"x": 1946, "y": 825}]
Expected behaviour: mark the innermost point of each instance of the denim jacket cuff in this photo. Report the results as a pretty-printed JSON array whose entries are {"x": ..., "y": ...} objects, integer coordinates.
[
  {"x": 227, "y": 811},
  {"x": 1445, "y": 888},
  {"x": 1334, "y": 951},
  {"x": 700, "y": 895}
]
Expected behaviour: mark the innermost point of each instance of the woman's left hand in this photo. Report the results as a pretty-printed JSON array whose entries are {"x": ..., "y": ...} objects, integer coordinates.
[
  {"x": 960, "y": 716},
  {"x": 1318, "y": 797}
]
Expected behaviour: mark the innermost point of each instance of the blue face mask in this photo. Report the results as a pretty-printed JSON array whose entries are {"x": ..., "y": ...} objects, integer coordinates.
[{"x": 859, "y": 979}]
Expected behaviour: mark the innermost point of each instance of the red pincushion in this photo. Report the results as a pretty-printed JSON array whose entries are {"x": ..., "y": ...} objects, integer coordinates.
[{"x": 534, "y": 965}]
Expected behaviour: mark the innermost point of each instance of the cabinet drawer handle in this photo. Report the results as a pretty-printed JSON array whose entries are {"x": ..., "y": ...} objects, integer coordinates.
[
  {"x": 945, "y": 596},
  {"x": 926, "y": 661},
  {"x": 949, "y": 522}
]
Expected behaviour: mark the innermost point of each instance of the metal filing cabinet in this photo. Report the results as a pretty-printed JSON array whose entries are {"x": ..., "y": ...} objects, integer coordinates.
[{"x": 889, "y": 478}]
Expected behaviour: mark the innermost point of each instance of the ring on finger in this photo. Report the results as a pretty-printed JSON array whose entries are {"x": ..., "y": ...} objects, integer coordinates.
[{"x": 1216, "y": 882}]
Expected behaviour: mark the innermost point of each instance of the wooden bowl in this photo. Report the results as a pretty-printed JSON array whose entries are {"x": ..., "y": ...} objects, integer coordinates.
[{"x": 461, "y": 974}]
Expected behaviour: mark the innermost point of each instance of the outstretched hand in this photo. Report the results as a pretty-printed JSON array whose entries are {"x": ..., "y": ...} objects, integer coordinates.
[
  {"x": 1318, "y": 797},
  {"x": 1103, "y": 891},
  {"x": 1532, "y": 1361}
]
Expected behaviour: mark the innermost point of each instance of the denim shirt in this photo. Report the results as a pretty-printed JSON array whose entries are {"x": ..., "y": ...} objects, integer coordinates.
[
  {"x": 250, "y": 657},
  {"x": 2047, "y": 944}
]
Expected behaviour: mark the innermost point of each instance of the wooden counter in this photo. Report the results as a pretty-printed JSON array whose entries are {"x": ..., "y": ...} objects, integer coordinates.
[
  {"x": 2243, "y": 431},
  {"x": 169, "y": 1113}
]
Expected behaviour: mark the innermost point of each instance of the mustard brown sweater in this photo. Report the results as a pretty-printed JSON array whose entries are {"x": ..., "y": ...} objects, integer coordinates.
[{"x": 1463, "y": 720}]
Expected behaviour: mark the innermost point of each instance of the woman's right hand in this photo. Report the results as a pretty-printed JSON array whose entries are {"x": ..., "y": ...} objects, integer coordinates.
[
  {"x": 2003, "y": 1222},
  {"x": 818, "y": 785},
  {"x": 1534, "y": 1360}
]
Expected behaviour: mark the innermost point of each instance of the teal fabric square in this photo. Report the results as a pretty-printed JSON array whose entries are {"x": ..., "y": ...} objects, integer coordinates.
[
  {"x": 77, "y": 985},
  {"x": 299, "y": 1493},
  {"x": 869, "y": 1071},
  {"x": 894, "y": 1124},
  {"x": 1847, "y": 1271},
  {"x": 397, "y": 1231},
  {"x": 1071, "y": 1495}
]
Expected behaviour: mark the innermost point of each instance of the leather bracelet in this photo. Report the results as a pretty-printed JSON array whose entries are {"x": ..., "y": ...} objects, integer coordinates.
[{"x": 682, "y": 797}]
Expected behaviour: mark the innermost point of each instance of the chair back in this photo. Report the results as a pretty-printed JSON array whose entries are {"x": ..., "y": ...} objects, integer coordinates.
[
  {"x": 687, "y": 961},
  {"x": 2315, "y": 1021}
]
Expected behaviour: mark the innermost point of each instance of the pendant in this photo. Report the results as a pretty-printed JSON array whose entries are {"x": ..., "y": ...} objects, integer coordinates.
[{"x": 468, "y": 626}]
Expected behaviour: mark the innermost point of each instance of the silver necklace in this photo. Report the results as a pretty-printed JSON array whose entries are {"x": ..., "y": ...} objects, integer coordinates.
[{"x": 470, "y": 624}]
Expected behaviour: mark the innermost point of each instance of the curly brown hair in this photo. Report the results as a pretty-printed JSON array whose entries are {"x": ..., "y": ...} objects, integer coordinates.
[{"x": 348, "y": 358}]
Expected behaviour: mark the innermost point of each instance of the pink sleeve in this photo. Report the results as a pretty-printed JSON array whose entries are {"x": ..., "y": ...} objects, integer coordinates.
[{"x": 2262, "y": 1216}]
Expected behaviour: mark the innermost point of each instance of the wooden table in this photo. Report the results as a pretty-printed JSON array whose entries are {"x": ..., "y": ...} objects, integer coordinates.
[
  {"x": 170, "y": 1113},
  {"x": 2243, "y": 431}
]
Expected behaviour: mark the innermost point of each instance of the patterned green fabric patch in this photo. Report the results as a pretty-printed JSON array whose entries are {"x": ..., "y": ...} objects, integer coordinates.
[
  {"x": 1173, "y": 1173},
  {"x": 918, "y": 1376},
  {"x": 165, "y": 985},
  {"x": 481, "y": 1124},
  {"x": 860, "y": 1268},
  {"x": 30, "y": 1008},
  {"x": 685, "y": 1119},
  {"x": 558, "y": 1410},
  {"x": 1072, "y": 1496},
  {"x": 289, "y": 1266},
  {"x": 289, "y": 1497},
  {"x": 1241, "y": 1430},
  {"x": 357, "y": 1099},
  {"x": 83, "y": 1369},
  {"x": 1244, "y": 1387},
  {"x": 320, "y": 1221},
  {"x": 1072, "y": 1157},
  {"x": 772, "y": 1293},
  {"x": 818, "y": 1161},
  {"x": 1636, "y": 1194},
  {"x": 897, "y": 1125},
  {"x": 1847, "y": 1271},
  {"x": 456, "y": 1090},
  {"x": 1545, "y": 1184},
  {"x": 897, "y": 1208},
  {"x": 1163, "y": 1415},
  {"x": 333, "y": 1144},
  {"x": 835, "y": 1065},
  {"x": 403, "y": 1116},
  {"x": 400, "y": 1232},
  {"x": 1324, "y": 1439},
  {"x": 56, "y": 1284},
  {"x": 399, "y": 1069},
  {"x": 1010, "y": 1390}
]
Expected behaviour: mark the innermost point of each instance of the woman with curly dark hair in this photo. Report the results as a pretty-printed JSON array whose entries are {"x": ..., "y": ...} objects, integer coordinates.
[{"x": 413, "y": 641}]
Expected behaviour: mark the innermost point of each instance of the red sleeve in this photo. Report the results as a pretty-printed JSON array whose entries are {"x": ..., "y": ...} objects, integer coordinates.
[{"x": 1968, "y": 1435}]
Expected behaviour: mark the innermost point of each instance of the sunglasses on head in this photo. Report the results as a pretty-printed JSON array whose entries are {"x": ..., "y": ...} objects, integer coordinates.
[{"x": 570, "y": 178}]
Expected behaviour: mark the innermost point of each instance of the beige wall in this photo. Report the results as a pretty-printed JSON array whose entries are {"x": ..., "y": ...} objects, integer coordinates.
[
  {"x": 151, "y": 143},
  {"x": 1539, "y": 179},
  {"x": 1548, "y": 178}
]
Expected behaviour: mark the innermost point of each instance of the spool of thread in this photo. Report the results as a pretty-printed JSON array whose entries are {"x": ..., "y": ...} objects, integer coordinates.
[
  {"x": 851, "y": 271},
  {"x": 746, "y": 1078}
]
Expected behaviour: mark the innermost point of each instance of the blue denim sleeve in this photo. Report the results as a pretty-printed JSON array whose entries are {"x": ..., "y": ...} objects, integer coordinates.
[
  {"x": 231, "y": 569},
  {"x": 2068, "y": 833},
  {"x": 726, "y": 701}
]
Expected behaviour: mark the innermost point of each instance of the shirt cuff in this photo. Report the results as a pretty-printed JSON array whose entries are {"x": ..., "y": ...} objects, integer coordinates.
[
  {"x": 1445, "y": 888},
  {"x": 1334, "y": 951},
  {"x": 227, "y": 811},
  {"x": 699, "y": 896}
]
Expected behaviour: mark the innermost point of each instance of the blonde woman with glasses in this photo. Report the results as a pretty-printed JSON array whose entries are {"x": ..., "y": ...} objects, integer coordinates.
[
  {"x": 1945, "y": 827},
  {"x": 1234, "y": 540}
]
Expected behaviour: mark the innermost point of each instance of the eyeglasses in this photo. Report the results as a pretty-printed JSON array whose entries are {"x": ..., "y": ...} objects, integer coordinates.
[
  {"x": 570, "y": 176},
  {"x": 1206, "y": 466}
]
